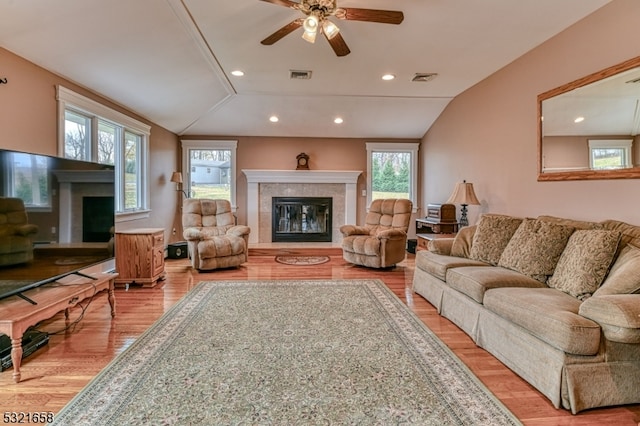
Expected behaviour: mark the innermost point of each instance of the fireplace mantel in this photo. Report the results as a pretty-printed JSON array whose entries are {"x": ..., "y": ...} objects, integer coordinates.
[{"x": 255, "y": 177}]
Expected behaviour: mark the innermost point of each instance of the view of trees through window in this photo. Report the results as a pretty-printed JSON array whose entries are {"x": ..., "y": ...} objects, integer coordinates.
[
  {"x": 608, "y": 158},
  {"x": 112, "y": 142},
  {"x": 29, "y": 179},
  {"x": 390, "y": 174},
  {"x": 209, "y": 175}
]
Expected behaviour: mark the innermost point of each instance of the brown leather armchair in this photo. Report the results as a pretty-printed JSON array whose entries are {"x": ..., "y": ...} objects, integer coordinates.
[
  {"x": 15, "y": 232},
  {"x": 213, "y": 238},
  {"x": 382, "y": 241}
]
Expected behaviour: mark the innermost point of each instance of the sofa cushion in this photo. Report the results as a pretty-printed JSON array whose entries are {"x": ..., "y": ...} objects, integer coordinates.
[
  {"x": 630, "y": 233},
  {"x": 550, "y": 315},
  {"x": 462, "y": 243},
  {"x": 585, "y": 262},
  {"x": 491, "y": 237},
  {"x": 475, "y": 281},
  {"x": 624, "y": 277},
  {"x": 577, "y": 224},
  {"x": 535, "y": 248},
  {"x": 437, "y": 264}
]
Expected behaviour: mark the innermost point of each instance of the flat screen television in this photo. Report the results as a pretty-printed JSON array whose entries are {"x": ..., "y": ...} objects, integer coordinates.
[{"x": 70, "y": 212}]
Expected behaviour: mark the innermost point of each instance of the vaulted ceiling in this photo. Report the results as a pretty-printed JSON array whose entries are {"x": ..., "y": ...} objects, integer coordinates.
[{"x": 171, "y": 60}]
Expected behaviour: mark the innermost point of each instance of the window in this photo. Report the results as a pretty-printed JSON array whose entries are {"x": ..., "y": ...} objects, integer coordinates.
[
  {"x": 212, "y": 169},
  {"x": 610, "y": 154},
  {"x": 392, "y": 171},
  {"x": 91, "y": 131},
  {"x": 27, "y": 178}
]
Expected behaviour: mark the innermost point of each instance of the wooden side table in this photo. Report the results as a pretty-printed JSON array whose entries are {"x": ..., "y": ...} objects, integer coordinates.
[
  {"x": 423, "y": 239},
  {"x": 140, "y": 256}
]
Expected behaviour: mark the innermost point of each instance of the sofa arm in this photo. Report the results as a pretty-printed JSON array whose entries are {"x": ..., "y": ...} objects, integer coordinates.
[
  {"x": 197, "y": 234},
  {"x": 441, "y": 246},
  {"x": 26, "y": 230},
  {"x": 617, "y": 314},
  {"x": 239, "y": 230},
  {"x": 347, "y": 230},
  {"x": 391, "y": 234}
]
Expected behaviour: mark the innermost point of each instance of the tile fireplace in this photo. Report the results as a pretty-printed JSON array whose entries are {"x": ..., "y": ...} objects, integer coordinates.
[{"x": 264, "y": 185}]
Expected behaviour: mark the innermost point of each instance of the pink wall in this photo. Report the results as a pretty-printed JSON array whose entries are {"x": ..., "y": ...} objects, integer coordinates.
[
  {"x": 28, "y": 117},
  {"x": 488, "y": 134},
  {"x": 275, "y": 153}
]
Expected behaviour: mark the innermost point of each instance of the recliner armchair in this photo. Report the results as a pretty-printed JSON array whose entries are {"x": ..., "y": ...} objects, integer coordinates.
[
  {"x": 15, "y": 232},
  {"x": 213, "y": 238},
  {"x": 382, "y": 241}
]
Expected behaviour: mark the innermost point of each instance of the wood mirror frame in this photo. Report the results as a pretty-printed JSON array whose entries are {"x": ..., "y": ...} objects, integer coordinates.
[{"x": 625, "y": 173}]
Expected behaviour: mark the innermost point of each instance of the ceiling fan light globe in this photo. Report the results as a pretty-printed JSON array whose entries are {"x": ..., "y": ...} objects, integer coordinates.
[
  {"x": 311, "y": 24},
  {"x": 330, "y": 29},
  {"x": 310, "y": 36}
]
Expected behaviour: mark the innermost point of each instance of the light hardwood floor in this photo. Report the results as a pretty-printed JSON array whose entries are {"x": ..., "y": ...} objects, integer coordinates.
[{"x": 53, "y": 375}]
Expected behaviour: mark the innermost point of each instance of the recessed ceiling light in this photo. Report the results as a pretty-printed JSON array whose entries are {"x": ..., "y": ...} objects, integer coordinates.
[
  {"x": 578, "y": 120},
  {"x": 388, "y": 77},
  {"x": 273, "y": 119},
  {"x": 237, "y": 73},
  {"x": 338, "y": 120}
]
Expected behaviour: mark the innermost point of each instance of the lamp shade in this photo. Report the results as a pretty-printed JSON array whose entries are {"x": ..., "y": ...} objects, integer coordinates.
[
  {"x": 463, "y": 193},
  {"x": 176, "y": 177}
]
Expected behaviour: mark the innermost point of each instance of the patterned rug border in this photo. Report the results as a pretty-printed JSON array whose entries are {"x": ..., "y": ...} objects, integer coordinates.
[
  {"x": 113, "y": 386},
  {"x": 299, "y": 260}
]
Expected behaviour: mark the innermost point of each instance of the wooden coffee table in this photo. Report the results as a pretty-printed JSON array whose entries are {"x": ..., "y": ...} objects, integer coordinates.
[{"x": 17, "y": 314}]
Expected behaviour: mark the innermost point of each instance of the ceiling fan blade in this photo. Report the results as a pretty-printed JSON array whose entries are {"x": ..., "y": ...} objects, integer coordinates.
[
  {"x": 287, "y": 29},
  {"x": 338, "y": 45},
  {"x": 370, "y": 15},
  {"x": 285, "y": 3}
]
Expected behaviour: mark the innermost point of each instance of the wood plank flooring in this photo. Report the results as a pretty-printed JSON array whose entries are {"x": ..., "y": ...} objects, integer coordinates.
[{"x": 53, "y": 375}]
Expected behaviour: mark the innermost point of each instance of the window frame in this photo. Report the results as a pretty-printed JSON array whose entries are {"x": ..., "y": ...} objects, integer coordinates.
[
  {"x": 623, "y": 144},
  {"x": 69, "y": 100},
  {"x": 209, "y": 144},
  {"x": 407, "y": 147}
]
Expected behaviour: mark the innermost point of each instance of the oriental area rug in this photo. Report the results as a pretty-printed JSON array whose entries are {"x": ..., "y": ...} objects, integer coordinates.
[{"x": 315, "y": 352}]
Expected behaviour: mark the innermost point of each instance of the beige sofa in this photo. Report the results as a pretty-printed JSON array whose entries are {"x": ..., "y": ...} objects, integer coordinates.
[
  {"x": 556, "y": 300},
  {"x": 16, "y": 233}
]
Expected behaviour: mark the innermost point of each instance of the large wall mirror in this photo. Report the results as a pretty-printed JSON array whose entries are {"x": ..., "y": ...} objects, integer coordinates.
[{"x": 589, "y": 128}]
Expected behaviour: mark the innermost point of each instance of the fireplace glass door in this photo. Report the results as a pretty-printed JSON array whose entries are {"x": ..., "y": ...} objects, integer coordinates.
[{"x": 301, "y": 219}]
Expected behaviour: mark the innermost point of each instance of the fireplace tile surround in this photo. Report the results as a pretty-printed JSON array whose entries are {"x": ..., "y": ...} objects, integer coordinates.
[{"x": 262, "y": 185}]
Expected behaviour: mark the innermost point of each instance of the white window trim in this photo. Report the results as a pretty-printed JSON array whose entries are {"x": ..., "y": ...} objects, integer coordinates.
[
  {"x": 67, "y": 98},
  {"x": 394, "y": 147},
  {"x": 231, "y": 145},
  {"x": 624, "y": 144}
]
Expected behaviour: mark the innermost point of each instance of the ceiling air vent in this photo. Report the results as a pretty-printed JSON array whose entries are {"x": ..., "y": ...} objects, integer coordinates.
[
  {"x": 299, "y": 74},
  {"x": 424, "y": 77}
]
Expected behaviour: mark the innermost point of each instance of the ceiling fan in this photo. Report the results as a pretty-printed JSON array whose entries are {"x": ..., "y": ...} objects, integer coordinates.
[{"x": 317, "y": 20}]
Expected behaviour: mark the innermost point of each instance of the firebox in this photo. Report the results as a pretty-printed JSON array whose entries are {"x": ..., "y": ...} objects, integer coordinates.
[{"x": 301, "y": 219}]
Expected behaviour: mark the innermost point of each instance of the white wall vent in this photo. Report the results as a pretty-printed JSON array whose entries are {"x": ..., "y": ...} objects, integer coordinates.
[
  {"x": 424, "y": 77},
  {"x": 300, "y": 74}
]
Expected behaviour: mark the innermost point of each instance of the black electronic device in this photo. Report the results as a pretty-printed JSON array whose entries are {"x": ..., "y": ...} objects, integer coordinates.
[{"x": 32, "y": 340}]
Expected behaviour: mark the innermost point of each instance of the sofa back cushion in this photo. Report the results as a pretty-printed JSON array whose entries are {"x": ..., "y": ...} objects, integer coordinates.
[
  {"x": 462, "y": 243},
  {"x": 630, "y": 233},
  {"x": 585, "y": 262},
  {"x": 577, "y": 224},
  {"x": 492, "y": 236},
  {"x": 624, "y": 277},
  {"x": 535, "y": 248}
]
